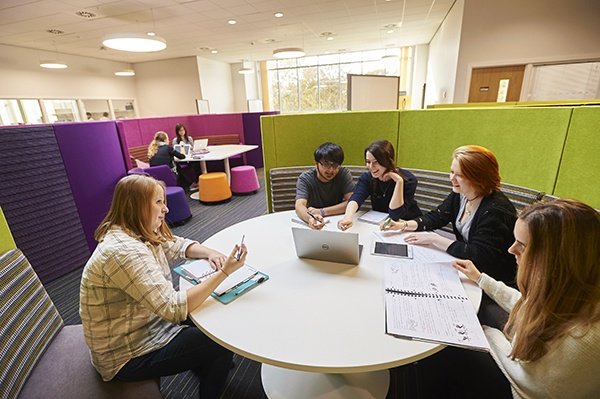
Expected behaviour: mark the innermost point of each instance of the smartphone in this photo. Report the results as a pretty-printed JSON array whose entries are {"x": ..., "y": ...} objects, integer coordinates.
[{"x": 392, "y": 249}]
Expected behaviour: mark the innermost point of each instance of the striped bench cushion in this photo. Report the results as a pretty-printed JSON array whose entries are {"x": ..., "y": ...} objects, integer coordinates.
[{"x": 28, "y": 321}]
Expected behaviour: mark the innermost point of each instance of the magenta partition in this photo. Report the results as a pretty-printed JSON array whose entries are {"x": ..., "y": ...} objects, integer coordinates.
[{"x": 93, "y": 160}]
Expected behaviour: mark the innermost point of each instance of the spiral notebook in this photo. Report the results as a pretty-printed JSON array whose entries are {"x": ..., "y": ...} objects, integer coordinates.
[{"x": 427, "y": 302}]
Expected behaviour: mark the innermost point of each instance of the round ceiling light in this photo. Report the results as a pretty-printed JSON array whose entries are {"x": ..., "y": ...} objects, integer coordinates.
[
  {"x": 290, "y": 52},
  {"x": 53, "y": 65},
  {"x": 134, "y": 42}
]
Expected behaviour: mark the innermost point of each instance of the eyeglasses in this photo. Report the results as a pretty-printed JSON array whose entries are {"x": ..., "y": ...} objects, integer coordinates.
[{"x": 329, "y": 165}]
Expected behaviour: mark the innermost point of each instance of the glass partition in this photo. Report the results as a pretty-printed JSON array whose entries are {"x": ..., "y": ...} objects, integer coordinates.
[
  {"x": 124, "y": 109},
  {"x": 10, "y": 114},
  {"x": 96, "y": 109},
  {"x": 61, "y": 110},
  {"x": 32, "y": 110}
]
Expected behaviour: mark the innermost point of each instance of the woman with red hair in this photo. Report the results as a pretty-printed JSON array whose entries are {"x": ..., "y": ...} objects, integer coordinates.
[{"x": 482, "y": 218}]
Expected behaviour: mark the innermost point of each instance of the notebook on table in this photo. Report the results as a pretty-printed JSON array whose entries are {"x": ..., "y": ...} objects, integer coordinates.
[{"x": 327, "y": 245}]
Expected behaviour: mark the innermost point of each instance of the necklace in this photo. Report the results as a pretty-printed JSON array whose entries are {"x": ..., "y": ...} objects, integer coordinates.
[
  {"x": 387, "y": 186},
  {"x": 469, "y": 201}
]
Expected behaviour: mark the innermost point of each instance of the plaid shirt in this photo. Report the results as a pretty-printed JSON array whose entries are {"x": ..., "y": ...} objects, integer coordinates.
[{"x": 128, "y": 305}]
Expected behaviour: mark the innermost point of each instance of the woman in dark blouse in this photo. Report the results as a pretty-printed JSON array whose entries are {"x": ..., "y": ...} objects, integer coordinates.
[{"x": 392, "y": 190}]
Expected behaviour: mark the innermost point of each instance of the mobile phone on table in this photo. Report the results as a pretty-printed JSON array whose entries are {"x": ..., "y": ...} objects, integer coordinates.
[{"x": 392, "y": 249}]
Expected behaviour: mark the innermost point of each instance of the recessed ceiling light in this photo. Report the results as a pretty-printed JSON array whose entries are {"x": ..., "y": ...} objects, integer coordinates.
[
  {"x": 278, "y": 15},
  {"x": 389, "y": 31},
  {"x": 151, "y": 33},
  {"x": 330, "y": 38},
  {"x": 134, "y": 42},
  {"x": 214, "y": 51},
  {"x": 232, "y": 22}
]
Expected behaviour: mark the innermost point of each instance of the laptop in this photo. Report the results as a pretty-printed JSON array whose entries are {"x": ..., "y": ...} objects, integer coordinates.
[
  {"x": 331, "y": 246},
  {"x": 200, "y": 144}
]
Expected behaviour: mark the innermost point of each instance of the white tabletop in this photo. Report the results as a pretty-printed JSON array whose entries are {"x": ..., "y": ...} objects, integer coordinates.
[
  {"x": 310, "y": 315},
  {"x": 221, "y": 152}
]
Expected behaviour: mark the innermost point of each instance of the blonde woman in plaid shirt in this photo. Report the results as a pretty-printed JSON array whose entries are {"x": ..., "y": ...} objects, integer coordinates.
[{"x": 134, "y": 320}]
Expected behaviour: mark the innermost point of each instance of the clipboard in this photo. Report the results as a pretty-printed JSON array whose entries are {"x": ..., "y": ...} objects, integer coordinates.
[
  {"x": 241, "y": 288},
  {"x": 231, "y": 294}
]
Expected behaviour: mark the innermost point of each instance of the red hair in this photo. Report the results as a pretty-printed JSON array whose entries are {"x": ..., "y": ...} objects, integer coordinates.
[{"x": 480, "y": 166}]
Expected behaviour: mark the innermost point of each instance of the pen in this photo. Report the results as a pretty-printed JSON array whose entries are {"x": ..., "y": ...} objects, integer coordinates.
[
  {"x": 314, "y": 217},
  {"x": 189, "y": 276},
  {"x": 387, "y": 222},
  {"x": 239, "y": 255}
]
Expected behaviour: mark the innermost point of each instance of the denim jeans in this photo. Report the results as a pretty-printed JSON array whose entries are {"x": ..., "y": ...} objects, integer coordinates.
[{"x": 189, "y": 350}]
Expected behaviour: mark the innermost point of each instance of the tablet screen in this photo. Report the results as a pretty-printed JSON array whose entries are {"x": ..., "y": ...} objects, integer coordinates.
[{"x": 386, "y": 248}]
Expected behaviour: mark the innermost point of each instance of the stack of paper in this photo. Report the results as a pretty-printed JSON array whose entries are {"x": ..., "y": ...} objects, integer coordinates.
[{"x": 374, "y": 217}]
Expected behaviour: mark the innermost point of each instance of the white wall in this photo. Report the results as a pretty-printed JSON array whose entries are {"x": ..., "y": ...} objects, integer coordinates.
[
  {"x": 419, "y": 74},
  {"x": 86, "y": 78},
  {"x": 168, "y": 87},
  {"x": 518, "y": 32},
  {"x": 443, "y": 58},
  {"x": 216, "y": 84}
]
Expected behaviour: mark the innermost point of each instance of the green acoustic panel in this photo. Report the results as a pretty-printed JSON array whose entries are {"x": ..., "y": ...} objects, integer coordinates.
[
  {"x": 6, "y": 239},
  {"x": 268, "y": 148},
  {"x": 297, "y": 136},
  {"x": 528, "y": 142},
  {"x": 579, "y": 171}
]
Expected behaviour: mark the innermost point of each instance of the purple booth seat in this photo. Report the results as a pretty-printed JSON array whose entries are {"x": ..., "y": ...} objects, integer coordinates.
[{"x": 179, "y": 209}]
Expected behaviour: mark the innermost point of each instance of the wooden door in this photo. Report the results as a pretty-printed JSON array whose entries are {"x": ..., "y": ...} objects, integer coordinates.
[{"x": 485, "y": 83}]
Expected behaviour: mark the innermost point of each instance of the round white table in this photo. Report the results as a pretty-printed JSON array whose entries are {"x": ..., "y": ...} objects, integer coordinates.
[{"x": 318, "y": 327}]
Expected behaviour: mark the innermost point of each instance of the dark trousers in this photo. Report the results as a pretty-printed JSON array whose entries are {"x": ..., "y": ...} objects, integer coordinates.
[
  {"x": 189, "y": 350},
  {"x": 461, "y": 373}
]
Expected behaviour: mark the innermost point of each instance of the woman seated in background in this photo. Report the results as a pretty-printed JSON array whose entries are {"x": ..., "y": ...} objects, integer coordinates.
[
  {"x": 161, "y": 153},
  {"x": 131, "y": 313},
  {"x": 181, "y": 136},
  {"x": 392, "y": 190},
  {"x": 482, "y": 218},
  {"x": 550, "y": 347},
  {"x": 191, "y": 178}
]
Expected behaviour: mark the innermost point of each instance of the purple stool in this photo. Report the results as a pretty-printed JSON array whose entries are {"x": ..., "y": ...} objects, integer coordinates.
[
  {"x": 244, "y": 180},
  {"x": 179, "y": 209}
]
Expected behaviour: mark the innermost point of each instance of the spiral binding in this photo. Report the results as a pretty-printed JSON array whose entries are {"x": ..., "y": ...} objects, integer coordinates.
[{"x": 395, "y": 291}]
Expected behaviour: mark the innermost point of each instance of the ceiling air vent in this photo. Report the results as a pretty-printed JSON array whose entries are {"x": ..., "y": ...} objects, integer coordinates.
[{"x": 85, "y": 14}]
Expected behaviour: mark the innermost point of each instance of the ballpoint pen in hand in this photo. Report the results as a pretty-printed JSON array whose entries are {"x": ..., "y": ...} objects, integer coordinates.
[
  {"x": 314, "y": 217},
  {"x": 239, "y": 254}
]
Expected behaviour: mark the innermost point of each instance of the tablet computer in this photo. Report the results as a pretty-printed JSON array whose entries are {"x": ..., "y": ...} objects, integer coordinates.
[{"x": 392, "y": 249}]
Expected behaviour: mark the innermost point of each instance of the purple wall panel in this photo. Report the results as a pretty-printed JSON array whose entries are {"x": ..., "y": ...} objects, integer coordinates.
[
  {"x": 252, "y": 135},
  {"x": 36, "y": 197},
  {"x": 131, "y": 130},
  {"x": 94, "y": 163}
]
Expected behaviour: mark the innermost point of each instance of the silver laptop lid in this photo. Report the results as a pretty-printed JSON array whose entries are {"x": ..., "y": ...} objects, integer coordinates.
[
  {"x": 200, "y": 144},
  {"x": 331, "y": 246}
]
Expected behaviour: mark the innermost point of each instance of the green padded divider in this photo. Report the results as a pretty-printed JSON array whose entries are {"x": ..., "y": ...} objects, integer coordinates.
[
  {"x": 472, "y": 105},
  {"x": 7, "y": 241},
  {"x": 290, "y": 140},
  {"x": 268, "y": 148},
  {"x": 579, "y": 171},
  {"x": 528, "y": 142}
]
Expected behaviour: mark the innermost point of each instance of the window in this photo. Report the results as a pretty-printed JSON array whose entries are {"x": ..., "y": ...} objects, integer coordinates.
[
  {"x": 319, "y": 83},
  {"x": 61, "y": 110}
]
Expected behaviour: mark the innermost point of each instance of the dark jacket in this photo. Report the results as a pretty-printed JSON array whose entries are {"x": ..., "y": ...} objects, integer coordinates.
[
  {"x": 490, "y": 235},
  {"x": 381, "y": 195},
  {"x": 164, "y": 156}
]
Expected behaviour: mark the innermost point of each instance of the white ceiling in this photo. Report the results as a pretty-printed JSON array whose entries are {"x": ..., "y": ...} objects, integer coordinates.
[{"x": 192, "y": 27}]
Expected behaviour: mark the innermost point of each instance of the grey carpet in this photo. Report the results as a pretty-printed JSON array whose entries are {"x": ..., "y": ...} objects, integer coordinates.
[{"x": 244, "y": 380}]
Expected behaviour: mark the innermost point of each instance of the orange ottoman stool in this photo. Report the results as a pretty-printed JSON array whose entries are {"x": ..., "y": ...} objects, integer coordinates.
[{"x": 213, "y": 187}]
